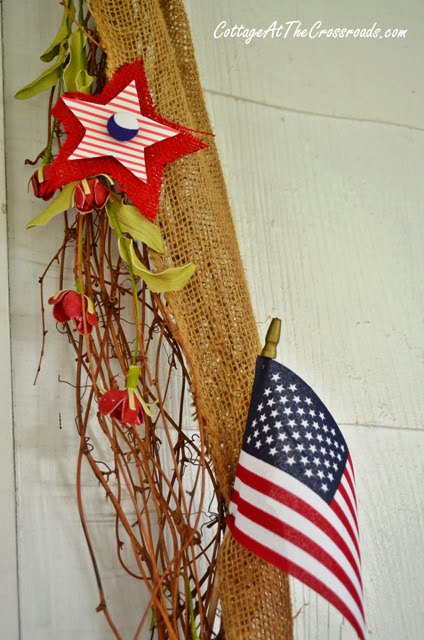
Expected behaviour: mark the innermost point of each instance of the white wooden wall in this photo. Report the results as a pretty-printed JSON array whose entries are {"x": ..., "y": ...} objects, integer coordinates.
[{"x": 322, "y": 145}]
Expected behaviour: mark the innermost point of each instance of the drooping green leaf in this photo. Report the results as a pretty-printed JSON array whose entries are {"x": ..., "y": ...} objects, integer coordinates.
[
  {"x": 75, "y": 75},
  {"x": 61, "y": 37},
  {"x": 45, "y": 81},
  {"x": 131, "y": 221},
  {"x": 173, "y": 279},
  {"x": 84, "y": 81},
  {"x": 62, "y": 202}
]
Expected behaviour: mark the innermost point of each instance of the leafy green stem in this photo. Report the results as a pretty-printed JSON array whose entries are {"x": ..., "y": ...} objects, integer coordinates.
[
  {"x": 194, "y": 634},
  {"x": 117, "y": 228}
]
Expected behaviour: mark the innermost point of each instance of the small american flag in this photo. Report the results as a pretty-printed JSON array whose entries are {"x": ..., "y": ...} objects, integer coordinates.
[{"x": 294, "y": 502}]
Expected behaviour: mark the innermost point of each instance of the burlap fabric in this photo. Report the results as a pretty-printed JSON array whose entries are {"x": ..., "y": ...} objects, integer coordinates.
[{"x": 213, "y": 314}]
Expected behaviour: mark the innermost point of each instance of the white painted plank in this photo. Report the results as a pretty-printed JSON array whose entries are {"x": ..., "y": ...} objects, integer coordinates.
[
  {"x": 8, "y": 558},
  {"x": 53, "y": 554},
  {"x": 367, "y": 78},
  {"x": 389, "y": 480},
  {"x": 328, "y": 214}
]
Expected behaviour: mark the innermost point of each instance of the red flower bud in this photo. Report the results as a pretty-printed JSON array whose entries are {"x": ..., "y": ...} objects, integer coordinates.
[
  {"x": 125, "y": 405},
  {"x": 67, "y": 305},
  {"x": 40, "y": 183},
  {"x": 117, "y": 404},
  {"x": 90, "y": 194}
]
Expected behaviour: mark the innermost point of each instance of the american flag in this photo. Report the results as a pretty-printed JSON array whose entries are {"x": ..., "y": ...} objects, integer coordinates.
[{"x": 294, "y": 502}]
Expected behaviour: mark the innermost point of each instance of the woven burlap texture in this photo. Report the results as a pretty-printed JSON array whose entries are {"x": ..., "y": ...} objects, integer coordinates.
[{"x": 213, "y": 315}]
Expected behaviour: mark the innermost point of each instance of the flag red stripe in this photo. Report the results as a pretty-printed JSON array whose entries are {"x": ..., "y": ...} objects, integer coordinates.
[
  {"x": 299, "y": 539},
  {"x": 298, "y": 572},
  {"x": 349, "y": 497},
  {"x": 284, "y": 496},
  {"x": 350, "y": 463},
  {"x": 349, "y": 480},
  {"x": 348, "y": 502},
  {"x": 345, "y": 521}
]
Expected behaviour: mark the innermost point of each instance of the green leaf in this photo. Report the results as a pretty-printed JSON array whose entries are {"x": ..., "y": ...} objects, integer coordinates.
[
  {"x": 173, "y": 279},
  {"x": 75, "y": 75},
  {"x": 62, "y": 202},
  {"x": 133, "y": 222},
  {"x": 44, "y": 81},
  {"x": 84, "y": 81},
  {"x": 61, "y": 37}
]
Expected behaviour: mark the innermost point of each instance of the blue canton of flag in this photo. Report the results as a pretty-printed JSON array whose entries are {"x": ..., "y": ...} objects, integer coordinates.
[
  {"x": 294, "y": 501},
  {"x": 289, "y": 427}
]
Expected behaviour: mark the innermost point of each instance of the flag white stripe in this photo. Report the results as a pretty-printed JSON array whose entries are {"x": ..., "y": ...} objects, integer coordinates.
[
  {"x": 348, "y": 490},
  {"x": 343, "y": 505},
  {"x": 286, "y": 481},
  {"x": 351, "y": 477},
  {"x": 288, "y": 516},
  {"x": 349, "y": 465},
  {"x": 302, "y": 559}
]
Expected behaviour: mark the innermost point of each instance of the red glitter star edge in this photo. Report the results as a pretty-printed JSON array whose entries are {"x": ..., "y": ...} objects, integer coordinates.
[{"x": 145, "y": 195}]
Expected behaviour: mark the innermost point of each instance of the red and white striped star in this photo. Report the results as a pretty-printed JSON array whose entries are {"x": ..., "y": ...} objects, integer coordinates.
[
  {"x": 95, "y": 146},
  {"x": 97, "y": 141}
]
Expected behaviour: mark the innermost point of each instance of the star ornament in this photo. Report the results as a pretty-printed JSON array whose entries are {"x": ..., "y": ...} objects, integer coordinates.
[{"x": 119, "y": 132}]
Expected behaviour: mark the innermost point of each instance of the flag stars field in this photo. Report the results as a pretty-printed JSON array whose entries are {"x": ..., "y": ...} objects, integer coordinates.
[{"x": 289, "y": 427}]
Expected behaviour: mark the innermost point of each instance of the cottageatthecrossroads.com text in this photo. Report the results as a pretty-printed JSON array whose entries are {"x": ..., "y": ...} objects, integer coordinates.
[{"x": 296, "y": 29}]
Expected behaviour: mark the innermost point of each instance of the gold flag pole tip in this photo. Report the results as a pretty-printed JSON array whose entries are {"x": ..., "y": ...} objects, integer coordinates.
[{"x": 272, "y": 339}]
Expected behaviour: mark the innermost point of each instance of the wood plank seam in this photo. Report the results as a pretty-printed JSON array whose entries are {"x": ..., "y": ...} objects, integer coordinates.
[
  {"x": 11, "y": 454},
  {"x": 315, "y": 114}
]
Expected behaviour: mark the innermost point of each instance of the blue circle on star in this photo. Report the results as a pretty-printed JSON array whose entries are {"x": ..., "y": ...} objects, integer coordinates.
[{"x": 123, "y": 126}]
